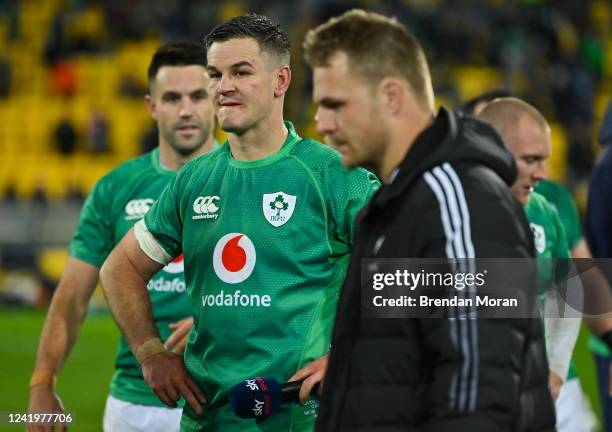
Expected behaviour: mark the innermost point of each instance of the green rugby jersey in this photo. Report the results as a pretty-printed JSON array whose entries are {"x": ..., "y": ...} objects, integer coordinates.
[
  {"x": 118, "y": 200},
  {"x": 550, "y": 243},
  {"x": 266, "y": 246},
  {"x": 549, "y": 239},
  {"x": 562, "y": 200}
]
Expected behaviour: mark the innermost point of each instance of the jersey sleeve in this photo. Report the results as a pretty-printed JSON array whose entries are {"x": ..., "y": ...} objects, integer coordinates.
[
  {"x": 568, "y": 212},
  {"x": 561, "y": 252},
  {"x": 164, "y": 223},
  {"x": 560, "y": 331},
  {"x": 92, "y": 241},
  {"x": 350, "y": 191}
]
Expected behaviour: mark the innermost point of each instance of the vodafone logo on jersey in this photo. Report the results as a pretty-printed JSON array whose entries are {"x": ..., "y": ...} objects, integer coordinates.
[
  {"x": 234, "y": 258},
  {"x": 176, "y": 266}
]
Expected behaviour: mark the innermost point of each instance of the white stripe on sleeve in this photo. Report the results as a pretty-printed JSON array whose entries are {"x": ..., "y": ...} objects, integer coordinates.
[{"x": 149, "y": 245}]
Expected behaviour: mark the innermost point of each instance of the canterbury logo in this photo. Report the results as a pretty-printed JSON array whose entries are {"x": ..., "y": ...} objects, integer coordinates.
[
  {"x": 205, "y": 207},
  {"x": 136, "y": 209}
]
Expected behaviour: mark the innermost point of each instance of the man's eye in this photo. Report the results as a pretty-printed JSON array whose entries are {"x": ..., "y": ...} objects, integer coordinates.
[{"x": 333, "y": 105}]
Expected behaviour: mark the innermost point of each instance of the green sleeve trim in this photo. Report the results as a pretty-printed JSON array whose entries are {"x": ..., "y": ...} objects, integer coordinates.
[
  {"x": 164, "y": 247},
  {"x": 95, "y": 260}
]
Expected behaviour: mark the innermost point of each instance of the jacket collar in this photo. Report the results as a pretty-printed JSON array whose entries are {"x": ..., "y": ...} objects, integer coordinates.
[{"x": 420, "y": 157}]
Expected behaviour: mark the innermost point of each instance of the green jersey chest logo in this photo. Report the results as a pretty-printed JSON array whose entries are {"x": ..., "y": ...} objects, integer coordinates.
[
  {"x": 205, "y": 207},
  {"x": 539, "y": 237},
  {"x": 137, "y": 208},
  {"x": 278, "y": 208}
]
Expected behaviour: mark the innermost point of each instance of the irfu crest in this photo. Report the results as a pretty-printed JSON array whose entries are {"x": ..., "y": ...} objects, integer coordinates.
[{"x": 278, "y": 208}]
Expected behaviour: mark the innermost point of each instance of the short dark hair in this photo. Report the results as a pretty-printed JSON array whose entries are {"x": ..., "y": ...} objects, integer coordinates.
[
  {"x": 269, "y": 36},
  {"x": 176, "y": 54}
]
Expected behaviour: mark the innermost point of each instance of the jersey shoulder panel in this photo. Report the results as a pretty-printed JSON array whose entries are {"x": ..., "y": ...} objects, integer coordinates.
[
  {"x": 125, "y": 173},
  {"x": 537, "y": 202},
  {"x": 563, "y": 203},
  {"x": 326, "y": 163},
  {"x": 315, "y": 154},
  {"x": 198, "y": 169}
]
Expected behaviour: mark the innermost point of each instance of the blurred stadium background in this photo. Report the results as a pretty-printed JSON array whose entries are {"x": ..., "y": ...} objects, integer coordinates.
[{"x": 72, "y": 81}]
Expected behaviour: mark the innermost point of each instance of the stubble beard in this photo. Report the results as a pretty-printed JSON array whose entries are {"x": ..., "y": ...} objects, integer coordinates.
[{"x": 186, "y": 149}]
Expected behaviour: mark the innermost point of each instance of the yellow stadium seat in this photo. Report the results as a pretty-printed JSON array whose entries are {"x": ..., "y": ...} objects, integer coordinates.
[
  {"x": 557, "y": 163},
  {"x": 52, "y": 261},
  {"x": 27, "y": 176},
  {"x": 602, "y": 100},
  {"x": 7, "y": 163},
  {"x": 608, "y": 58},
  {"x": 4, "y": 29},
  {"x": 56, "y": 177},
  {"x": 472, "y": 81},
  {"x": 581, "y": 195}
]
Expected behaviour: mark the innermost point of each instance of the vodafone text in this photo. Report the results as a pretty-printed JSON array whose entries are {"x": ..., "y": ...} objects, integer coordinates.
[
  {"x": 236, "y": 299},
  {"x": 164, "y": 285}
]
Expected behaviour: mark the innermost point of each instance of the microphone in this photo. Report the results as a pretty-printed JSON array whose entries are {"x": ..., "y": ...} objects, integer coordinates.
[{"x": 259, "y": 397}]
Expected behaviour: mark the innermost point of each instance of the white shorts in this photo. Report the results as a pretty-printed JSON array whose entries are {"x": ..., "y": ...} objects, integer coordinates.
[
  {"x": 122, "y": 416},
  {"x": 574, "y": 412}
]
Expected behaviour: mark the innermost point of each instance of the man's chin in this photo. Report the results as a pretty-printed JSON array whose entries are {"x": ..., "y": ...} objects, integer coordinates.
[
  {"x": 231, "y": 124},
  {"x": 233, "y": 128},
  {"x": 348, "y": 161},
  {"x": 524, "y": 198},
  {"x": 188, "y": 148}
]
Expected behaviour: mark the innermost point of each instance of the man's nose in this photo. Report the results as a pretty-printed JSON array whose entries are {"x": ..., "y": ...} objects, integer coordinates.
[{"x": 325, "y": 121}]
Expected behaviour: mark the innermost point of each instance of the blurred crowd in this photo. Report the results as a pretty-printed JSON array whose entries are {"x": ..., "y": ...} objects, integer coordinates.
[
  {"x": 77, "y": 67},
  {"x": 555, "y": 55}
]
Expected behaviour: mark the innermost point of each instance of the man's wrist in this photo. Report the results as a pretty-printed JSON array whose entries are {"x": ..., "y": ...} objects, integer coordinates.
[
  {"x": 149, "y": 348},
  {"x": 42, "y": 377}
]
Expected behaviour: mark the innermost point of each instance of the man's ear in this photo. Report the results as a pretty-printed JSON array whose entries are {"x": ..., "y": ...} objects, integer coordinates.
[
  {"x": 283, "y": 79},
  {"x": 392, "y": 94},
  {"x": 150, "y": 106}
]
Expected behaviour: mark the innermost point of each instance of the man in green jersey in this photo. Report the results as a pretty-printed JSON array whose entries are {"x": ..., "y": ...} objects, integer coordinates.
[
  {"x": 178, "y": 101},
  {"x": 266, "y": 226},
  {"x": 527, "y": 134},
  {"x": 596, "y": 288}
]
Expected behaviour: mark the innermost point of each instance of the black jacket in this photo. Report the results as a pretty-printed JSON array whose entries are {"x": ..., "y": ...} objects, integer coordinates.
[{"x": 407, "y": 374}]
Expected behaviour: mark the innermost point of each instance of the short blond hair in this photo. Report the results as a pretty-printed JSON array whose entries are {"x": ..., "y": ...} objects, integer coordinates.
[
  {"x": 506, "y": 113},
  {"x": 377, "y": 47}
]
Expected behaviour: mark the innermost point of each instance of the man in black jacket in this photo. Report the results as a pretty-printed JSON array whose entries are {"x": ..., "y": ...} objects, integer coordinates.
[{"x": 445, "y": 195}]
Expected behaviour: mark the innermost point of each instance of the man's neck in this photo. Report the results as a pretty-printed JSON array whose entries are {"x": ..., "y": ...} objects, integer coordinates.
[
  {"x": 402, "y": 136},
  {"x": 259, "y": 142},
  {"x": 172, "y": 160}
]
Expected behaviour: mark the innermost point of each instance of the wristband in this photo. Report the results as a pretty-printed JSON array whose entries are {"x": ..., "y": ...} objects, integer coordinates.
[
  {"x": 607, "y": 338},
  {"x": 148, "y": 348},
  {"x": 42, "y": 376}
]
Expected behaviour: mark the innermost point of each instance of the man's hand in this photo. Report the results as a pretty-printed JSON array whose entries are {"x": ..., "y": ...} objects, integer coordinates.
[
  {"x": 165, "y": 373},
  {"x": 554, "y": 384},
  {"x": 312, "y": 373},
  {"x": 178, "y": 339},
  {"x": 43, "y": 399}
]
